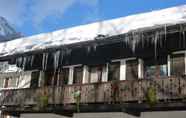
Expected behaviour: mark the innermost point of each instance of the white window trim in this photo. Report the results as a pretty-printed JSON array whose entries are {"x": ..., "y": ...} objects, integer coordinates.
[
  {"x": 168, "y": 65},
  {"x": 123, "y": 69},
  {"x": 123, "y": 66},
  {"x": 104, "y": 77},
  {"x": 126, "y": 59},
  {"x": 71, "y": 72},
  {"x": 85, "y": 74},
  {"x": 70, "y": 76},
  {"x": 179, "y": 52},
  {"x": 140, "y": 69},
  {"x": 77, "y": 65}
]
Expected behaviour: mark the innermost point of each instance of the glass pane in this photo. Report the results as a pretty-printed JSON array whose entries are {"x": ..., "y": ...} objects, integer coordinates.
[
  {"x": 78, "y": 75},
  {"x": 48, "y": 78},
  {"x": 177, "y": 65},
  {"x": 132, "y": 69},
  {"x": 95, "y": 74},
  {"x": 34, "y": 79},
  {"x": 12, "y": 82},
  {"x": 1, "y": 82},
  {"x": 154, "y": 71},
  {"x": 6, "y": 83},
  {"x": 63, "y": 76},
  {"x": 114, "y": 71}
]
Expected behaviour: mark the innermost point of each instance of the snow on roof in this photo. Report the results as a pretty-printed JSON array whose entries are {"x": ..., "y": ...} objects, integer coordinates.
[{"x": 88, "y": 32}]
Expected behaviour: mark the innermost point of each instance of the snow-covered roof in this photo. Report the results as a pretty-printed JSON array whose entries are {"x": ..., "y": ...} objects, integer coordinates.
[{"x": 88, "y": 32}]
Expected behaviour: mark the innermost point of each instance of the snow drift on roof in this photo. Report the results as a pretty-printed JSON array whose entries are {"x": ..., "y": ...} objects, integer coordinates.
[{"x": 88, "y": 32}]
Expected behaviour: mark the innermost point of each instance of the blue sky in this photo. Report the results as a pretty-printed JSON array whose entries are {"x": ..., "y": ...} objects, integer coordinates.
[{"x": 38, "y": 16}]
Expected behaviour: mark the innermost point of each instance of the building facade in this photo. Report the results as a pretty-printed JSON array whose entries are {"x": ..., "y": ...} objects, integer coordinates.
[{"x": 131, "y": 67}]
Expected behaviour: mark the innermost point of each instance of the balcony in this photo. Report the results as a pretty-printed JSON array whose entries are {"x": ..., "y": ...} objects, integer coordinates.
[{"x": 128, "y": 91}]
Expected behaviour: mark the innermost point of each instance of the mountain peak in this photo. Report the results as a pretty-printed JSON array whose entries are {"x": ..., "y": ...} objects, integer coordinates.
[{"x": 6, "y": 31}]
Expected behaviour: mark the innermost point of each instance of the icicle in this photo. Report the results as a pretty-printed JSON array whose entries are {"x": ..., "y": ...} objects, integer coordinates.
[
  {"x": 95, "y": 47},
  {"x": 155, "y": 43},
  {"x": 165, "y": 32},
  {"x": 62, "y": 55},
  {"x": 88, "y": 49},
  {"x": 68, "y": 51},
  {"x": 135, "y": 41},
  {"x": 19, "y": 61},
  {"x": 32, "y": 60},
  {"x": 24, "y": 62},
  {"x": 183, "y": 35},
  {"x": 184, "y": 45},
  {"x": 56, "y": 60},
  {"x": 133, "y": 45},
  {"x": 127, "y": 39},
  {"x": 160, "y": 39},
  {"x": 142, "y": 40},
  {"x": 44, "y": 61}
]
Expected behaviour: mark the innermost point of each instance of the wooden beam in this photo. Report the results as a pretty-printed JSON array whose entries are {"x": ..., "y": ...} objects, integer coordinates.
[
  {"x": 71, "y": 74},
  {"x": 169, "y": 65},
  {"x": 85, "y": 74},
  {"x": 140, "y": 68},
  {"x": 123, "y": 69}
]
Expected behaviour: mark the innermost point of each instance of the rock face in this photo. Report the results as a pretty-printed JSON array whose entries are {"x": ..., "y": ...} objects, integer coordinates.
[{"x": 6, "y": 31}]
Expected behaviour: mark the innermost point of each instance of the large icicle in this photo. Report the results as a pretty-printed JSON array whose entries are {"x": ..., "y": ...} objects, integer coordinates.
[
  {"x": 56, "y": 59},
  {"x": 32, "y": 60},
  {"x": 44, "y": 61},
  {"x": 19, "y": 61},
  {"x": 24, "y": 62}
]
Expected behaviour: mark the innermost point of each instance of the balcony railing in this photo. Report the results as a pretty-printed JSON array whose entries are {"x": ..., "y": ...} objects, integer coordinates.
[{"x": 168, "y": 88}]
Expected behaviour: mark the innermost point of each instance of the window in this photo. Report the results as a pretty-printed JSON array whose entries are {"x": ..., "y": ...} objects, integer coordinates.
[
  {"x": 156, "y": 68},
  {"x": 114, "y": 71},
  {"x": 6, "y": 84},
  {"x": 12, "y": 82},
  {"x": 48, "y": 78},
  {"x": 34, "y": 79},
  {"x": 177, "y": 64},
  {"x": 63, "y": 76},
  {"x": 77, "y": 75},
  {"x": 131, "y": 69},
  {"x": 95, "y": 73},
  {"x": 1, "y": 82},
  {"x": 155, "y": 71}
]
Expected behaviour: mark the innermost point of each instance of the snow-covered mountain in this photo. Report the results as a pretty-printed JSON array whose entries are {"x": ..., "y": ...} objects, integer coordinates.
[{"x": 6, "y": 31}]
